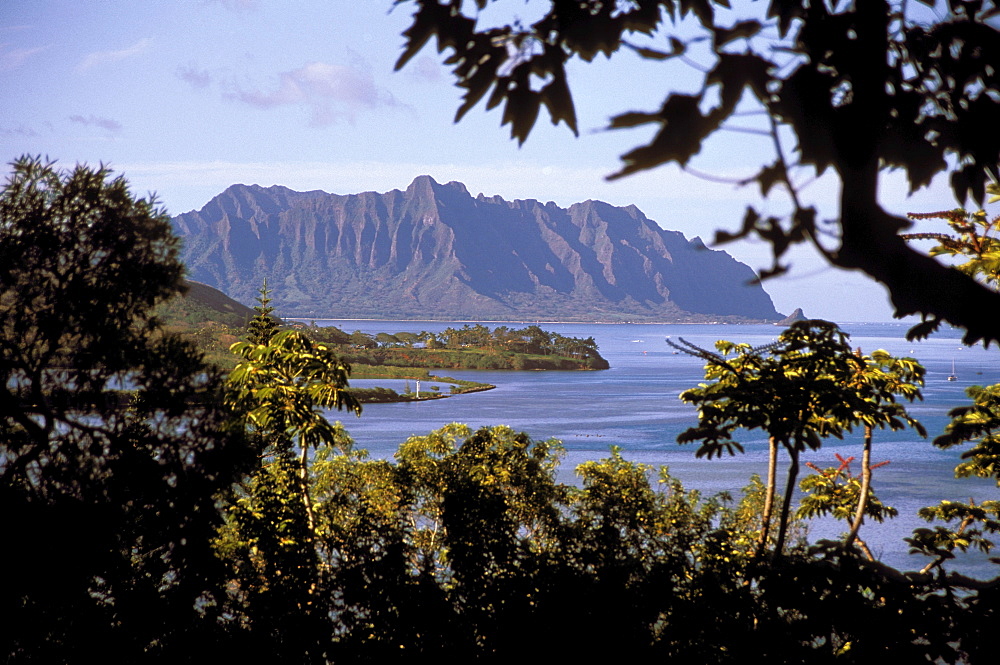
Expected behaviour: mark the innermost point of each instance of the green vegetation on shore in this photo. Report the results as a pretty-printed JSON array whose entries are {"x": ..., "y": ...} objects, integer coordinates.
[
  {"x": 206, "y": 318},
  {"x": 407, "y": 355},
  {"x": 379, "y": 394},
  {"x": 468, "y": 347}
]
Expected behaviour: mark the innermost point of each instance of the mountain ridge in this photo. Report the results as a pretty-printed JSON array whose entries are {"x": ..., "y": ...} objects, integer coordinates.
[{"x": 432, "y": 251}]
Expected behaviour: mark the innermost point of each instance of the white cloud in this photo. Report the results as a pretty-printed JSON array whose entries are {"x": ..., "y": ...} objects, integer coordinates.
[
  {"x": 99, "y": 58},
  {"x": 330, "y": 92},
  {"x": 425, "y": 69},
  {"x": 109, "y": 124},
  {"x": 12, "y": 58}
]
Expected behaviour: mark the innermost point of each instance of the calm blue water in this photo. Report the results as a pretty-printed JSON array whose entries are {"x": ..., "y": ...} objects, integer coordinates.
[{"x": 634, "y": 405}]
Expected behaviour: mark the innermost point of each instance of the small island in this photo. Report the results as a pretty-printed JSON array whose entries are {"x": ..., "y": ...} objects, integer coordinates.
[
  {"x": 213, "y": 321},
  {"x": 409, "y": 355}
]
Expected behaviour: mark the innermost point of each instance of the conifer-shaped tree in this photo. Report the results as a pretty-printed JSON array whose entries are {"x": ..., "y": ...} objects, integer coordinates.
[{"x": 262, "y": 327}]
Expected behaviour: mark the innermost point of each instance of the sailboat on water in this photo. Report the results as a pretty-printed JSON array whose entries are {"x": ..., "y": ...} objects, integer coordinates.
[{"x": 953, "y": 376}]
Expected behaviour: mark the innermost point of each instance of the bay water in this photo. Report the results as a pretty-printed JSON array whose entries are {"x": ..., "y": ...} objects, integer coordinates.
[{"x": 635, "y": 406}]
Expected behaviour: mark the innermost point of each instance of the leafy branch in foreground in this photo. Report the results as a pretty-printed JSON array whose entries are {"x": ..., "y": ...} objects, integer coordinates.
[
  {"x": 978, "y": 422},
  {"x": 973, "y": 239},
  {"x": 856, "y": 88}
]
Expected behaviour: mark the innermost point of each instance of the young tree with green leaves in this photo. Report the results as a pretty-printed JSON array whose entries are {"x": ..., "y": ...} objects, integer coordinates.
[
  {"x": 807, "y": 386},
  {"x": 796, "y": 390},
  {"x": 879, "y": 379},
  {"x": 278, "y": 389},
  {"x": 838, "y": 492}
]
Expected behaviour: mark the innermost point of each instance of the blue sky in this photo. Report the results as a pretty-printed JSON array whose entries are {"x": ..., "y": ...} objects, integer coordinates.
[{"x": 186, "y": 97}]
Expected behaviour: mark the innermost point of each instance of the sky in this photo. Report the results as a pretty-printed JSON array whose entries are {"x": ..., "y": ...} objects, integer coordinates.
[{"x": 187, "y": 97}]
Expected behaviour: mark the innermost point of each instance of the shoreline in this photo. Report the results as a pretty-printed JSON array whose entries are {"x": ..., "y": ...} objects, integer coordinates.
[
  {"x": 754, "y": 322},
  {"x": 397, "y": 398}
]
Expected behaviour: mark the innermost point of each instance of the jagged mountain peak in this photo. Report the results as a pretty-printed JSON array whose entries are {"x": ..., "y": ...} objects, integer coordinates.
[
  {"x": 456, "y": 185},
  {"x": 240, "y": 189},
  {"x": 427, "y": 186},
  {"x": 435, "y": 251},
  {"x": 422, "y": 183},
  {"x": 797, "y": 315}
]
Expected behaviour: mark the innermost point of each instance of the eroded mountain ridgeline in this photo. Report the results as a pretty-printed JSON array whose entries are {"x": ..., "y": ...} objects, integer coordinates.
[{"x": 435, "y": 252}]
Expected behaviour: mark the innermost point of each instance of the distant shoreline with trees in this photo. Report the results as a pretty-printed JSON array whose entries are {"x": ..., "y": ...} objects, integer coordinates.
[
  {"x": 213, "y": 328},
  {"x": 409, "y": 355}
]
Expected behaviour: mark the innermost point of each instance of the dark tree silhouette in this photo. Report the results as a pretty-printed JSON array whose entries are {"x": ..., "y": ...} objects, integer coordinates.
[{"x": 113, "y": 441}]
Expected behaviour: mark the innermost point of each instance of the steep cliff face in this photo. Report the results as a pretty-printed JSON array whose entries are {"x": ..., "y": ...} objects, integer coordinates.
[{"x": 434, "y": 251}]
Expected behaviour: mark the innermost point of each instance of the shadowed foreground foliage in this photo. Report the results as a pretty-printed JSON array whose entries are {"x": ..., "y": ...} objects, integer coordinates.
[
  {"x": 109, "y": 497},
  {"x": 466, "y": 544}
]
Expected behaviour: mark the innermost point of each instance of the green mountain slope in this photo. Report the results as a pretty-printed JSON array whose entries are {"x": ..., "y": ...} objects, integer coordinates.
[{"x": 203, "y": 304}]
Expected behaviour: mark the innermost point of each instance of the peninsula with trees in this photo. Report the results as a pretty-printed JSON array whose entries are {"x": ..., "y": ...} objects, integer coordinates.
[{"x": 213, "y": 322}]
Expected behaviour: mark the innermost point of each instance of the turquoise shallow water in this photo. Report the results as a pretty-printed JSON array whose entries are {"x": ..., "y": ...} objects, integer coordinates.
[{"x": 634, "y": 405}]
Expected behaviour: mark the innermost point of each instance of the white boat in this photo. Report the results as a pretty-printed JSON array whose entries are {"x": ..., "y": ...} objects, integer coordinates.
[{"x": 953, "y": 376}]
